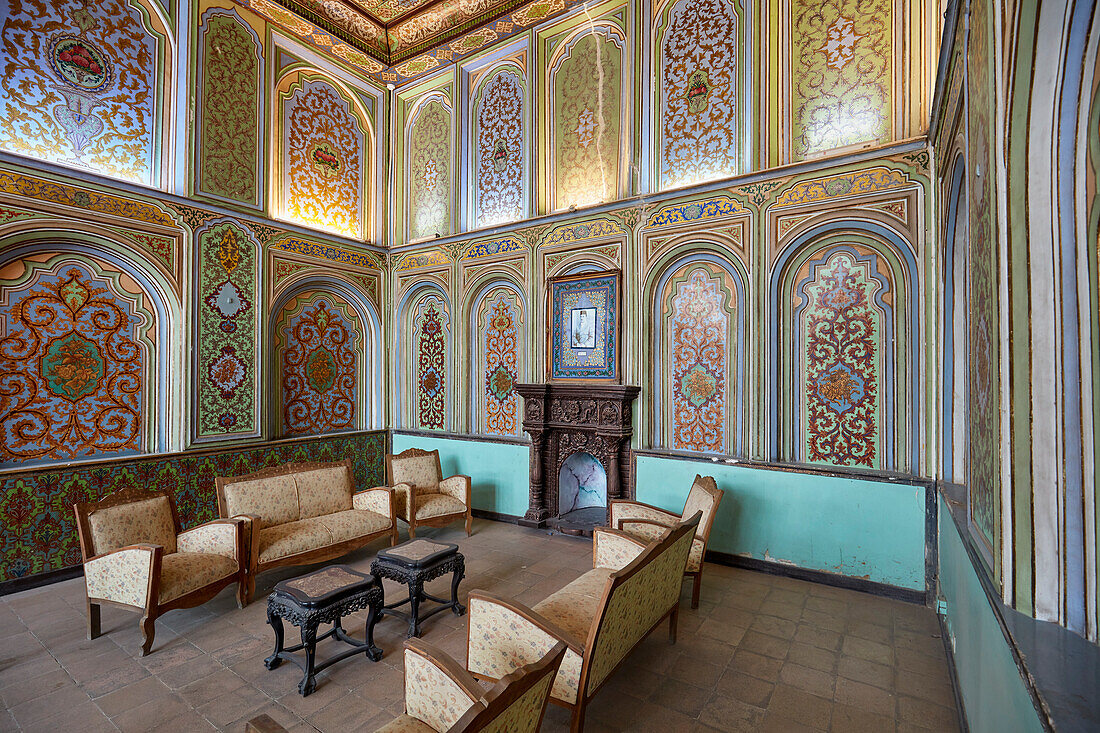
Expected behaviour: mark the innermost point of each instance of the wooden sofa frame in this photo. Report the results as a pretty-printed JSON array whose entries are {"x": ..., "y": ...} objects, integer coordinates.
[
  {"x": 253, "y": 567},
  {"x": 442, "y": 520}
]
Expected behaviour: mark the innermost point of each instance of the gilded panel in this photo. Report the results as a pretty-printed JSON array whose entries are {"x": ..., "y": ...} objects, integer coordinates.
[
  {"x": 499, "y": 149},
  {"x": 429, "y": 169}
]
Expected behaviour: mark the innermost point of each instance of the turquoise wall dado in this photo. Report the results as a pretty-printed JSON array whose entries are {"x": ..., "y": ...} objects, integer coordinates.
[
  {"x": 989, "y": 681},
  {"x": 499, "y": 471},
  {"x": 860, "y": 528}
]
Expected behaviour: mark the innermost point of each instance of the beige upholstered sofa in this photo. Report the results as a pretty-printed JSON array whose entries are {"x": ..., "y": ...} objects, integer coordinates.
[
  {"x": 649, "y": 522},
  {"x": 600, "y": 616},
  {"x": 136, "y": 556},
  {"x": 422, "y": 496},
  {"x": 304, "y": 513}
]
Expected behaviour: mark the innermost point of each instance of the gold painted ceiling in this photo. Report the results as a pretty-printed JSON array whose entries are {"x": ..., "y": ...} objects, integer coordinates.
[{"x": 394, "y": 30}]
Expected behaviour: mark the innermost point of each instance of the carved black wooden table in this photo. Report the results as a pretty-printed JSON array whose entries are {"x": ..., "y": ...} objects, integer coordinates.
[
  {"x": 324, "y": 596},
  {"x": 414, "y": 563}
]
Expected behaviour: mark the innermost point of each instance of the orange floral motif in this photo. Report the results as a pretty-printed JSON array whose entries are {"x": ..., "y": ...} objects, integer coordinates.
[{"x": 500, "y": 403}]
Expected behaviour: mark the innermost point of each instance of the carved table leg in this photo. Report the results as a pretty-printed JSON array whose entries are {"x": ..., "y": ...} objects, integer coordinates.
[
  {"x": 309, "y": 642},
  {"x": 373, "y": 652},
  {"x": 416, "y": 591},
  {"x": 460, "y": 572},
  {"x": 276, "y": 623}
]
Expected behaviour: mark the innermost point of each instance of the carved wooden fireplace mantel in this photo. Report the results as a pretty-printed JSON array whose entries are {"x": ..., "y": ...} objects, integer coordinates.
[{"x": 564, "y": 419}]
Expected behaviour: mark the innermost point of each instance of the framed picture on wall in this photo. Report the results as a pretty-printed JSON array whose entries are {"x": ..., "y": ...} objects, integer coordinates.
[{"x": 584, "y": 327}]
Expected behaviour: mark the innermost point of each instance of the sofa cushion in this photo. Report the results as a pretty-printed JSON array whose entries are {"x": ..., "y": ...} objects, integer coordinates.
[
  {"x": 284, "y": 540},
  {"x": 148, "y": 521},
  {"x": 274, "y": 499},
  {"x": 323, "y": 491},
  {"x": 352, "y": 523},
  {"x": 574, "y": 607},
  {"x": 420, "y": 471},
  {"x": 183, "y": 572},
  {"x": 436, "y": 505}
]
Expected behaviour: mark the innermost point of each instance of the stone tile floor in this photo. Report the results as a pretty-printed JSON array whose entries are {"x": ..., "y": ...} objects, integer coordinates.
[{"x": 762, "y": 653}]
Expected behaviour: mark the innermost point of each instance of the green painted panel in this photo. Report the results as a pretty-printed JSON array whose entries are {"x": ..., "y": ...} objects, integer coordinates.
[
  {"x": 853, "y": 527},
  {"x": 499, "y": 471},
  {"x": 993, "y": 692}
]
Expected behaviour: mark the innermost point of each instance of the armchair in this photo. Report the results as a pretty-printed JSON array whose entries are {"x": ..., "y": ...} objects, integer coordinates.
[
  {"x": 649, "y": 522},
  {"x": 421, "y": 494},
  {"x": 136, "y": 556}
]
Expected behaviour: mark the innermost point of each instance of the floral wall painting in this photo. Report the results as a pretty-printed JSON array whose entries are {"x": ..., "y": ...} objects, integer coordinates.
[
  {"x": 324, "y": 158},
  {"x": 499, "y": 144},
  {"x": 430, "y": 322},
  {"x": 584, "y": 327},
  {"x": 699, "y": 97},
  {"x": 319, "y": 354},
  {"x": 499, "y": 321},
  {"x": 77, "y": 342},
  {"x": 82, "y": 86},
  {"x": 429, "y": 168},
  {"x": 586, "y": 117}
]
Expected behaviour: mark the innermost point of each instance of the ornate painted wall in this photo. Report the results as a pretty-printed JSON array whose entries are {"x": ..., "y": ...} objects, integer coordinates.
[
  {"x": 84, "y": 85},
  {"x": 430, "y": 169},
  {"x": 499, "y": 148},
  {"x": 427, "y": 340},
  {"x": 498, "y": 351}
]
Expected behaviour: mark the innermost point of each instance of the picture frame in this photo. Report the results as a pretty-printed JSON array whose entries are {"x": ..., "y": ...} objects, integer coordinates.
[{"x": 584, "y": 327}]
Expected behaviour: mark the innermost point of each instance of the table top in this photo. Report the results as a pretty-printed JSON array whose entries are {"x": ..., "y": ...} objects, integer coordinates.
[
  {"x": 418, "y": 553},
  {"x": 326, "y": 585}
]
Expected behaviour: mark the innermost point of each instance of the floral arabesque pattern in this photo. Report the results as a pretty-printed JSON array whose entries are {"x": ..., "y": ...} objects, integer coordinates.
[
  {"x": 431, "y": 366},
  {"x": 842, "y": 346},
  {"x": 73, "y": 369},
  {"x": 229, "y": 115},
  {"x": 700, "y": 93},
  {"x": 429, "y": 171},
  {"x": 499, "y": 147},
  {"x": 323, "y": 160},
  {"x": 841, "y": 73},
  {"x": 320, "y": 364},
  {"x": 228, "y": 277},
  {"x": 586, "y": 121},
  {"x": 431, "y": 695},
  {"x": 47, "y": 113},
  {"x": 701, "y": 308},
  {"x": 500, "y": 365}
]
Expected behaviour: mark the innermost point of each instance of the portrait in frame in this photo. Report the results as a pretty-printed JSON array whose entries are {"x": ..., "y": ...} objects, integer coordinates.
[{"x": 584, "y": 327}]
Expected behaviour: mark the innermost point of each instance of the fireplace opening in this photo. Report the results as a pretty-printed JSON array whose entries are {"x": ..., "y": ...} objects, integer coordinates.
[{"x": 582, "y": 491}]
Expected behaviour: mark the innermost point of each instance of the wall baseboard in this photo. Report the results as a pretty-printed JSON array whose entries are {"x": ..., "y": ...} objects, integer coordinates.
[
  {"x": 496, "y": 516},
  {"x": 16, "y": 585},
  {"x": 945, "y": 637},
  {"x": 897, "y": 593}
]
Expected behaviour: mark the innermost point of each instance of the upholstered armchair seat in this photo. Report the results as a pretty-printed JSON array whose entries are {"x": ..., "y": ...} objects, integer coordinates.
[
  {"x": 136, "y": 556},
  {"x": 649, "y": 523},
  {"x": 422, "y": 496}
]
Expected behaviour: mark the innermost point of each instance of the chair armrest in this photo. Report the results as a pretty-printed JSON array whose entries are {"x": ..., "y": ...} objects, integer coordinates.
[
  {"x": 250, "y": 527},
  {"x": 219, "y": 537},
  {"x": 620, "y": 510},
  {"x": 125, "y": 575},
  {"x": 614, "y": 549},
  {"x": 379, "y": 500},
  {"x": 457, "y": 487},
  {"x": 404, "y": 500},
  {"x": 438, "y": 691}
]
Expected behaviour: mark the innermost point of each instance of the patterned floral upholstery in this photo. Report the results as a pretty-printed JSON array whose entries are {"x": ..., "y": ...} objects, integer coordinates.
[
  {"x": 700, "y": 500},
  {"x": 574, "y": 607},
  {"x": 274, "y": 500},
  {"x": 375, "y": 500},
  {"x": 500, "y": 641},
  {"x": 420, "y": 471},
  {"x": 626, "y": 510},
  {"x": 614, "y": 550},
  {"x": 525, "y": 714},
  {"x": 323, "y": 491},
  {"x": 401, "y": 500},
  {"x": 454, "y": 487},
  {"x": 183, "y": 572},
  {"x": 437, "y": 505},
  {"x": 352, "y": 523},
  {"x": 292, "y": 538},
  {"x": 431, "y": 695},
  {"x": 219, "y": 538},
  {"x": 695, "y": 557},
  {"x": 139, "y": 522},
  {"x": 122, "y": 576},
  {"x": 406, "y": 724}
]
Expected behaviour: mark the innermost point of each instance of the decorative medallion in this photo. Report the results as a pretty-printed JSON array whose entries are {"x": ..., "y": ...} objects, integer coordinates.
[
  {"x": 840, "y": 43},
  {"x": 500, "y": 383},
  {"x": 79, "y": 63},
  {"x": 500, "y": 156},
  {"x": 698, "y": 91},
  {"x": 698, "y": 385},
  {"x": 586, "y": 127},
  {"x": 840, "y": 387},
  {"x": 228, "y": 302},
  {"x": 321, "y": 370},
  {"x": 72, "y": 366},
  {"x": 227, "y": 372},
  {"x": 325, "y": 160},
  {"x": 229, "y": 250},
  {"x": 430, "y": 176}
]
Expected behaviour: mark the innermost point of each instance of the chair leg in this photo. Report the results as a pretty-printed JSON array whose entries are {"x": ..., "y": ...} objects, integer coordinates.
[
  {"x": 673, "y": 615},
  {"x": 242, "y": 590},
  {"x": 576, "y": 725},
  {"x": 695, "y": 589},
  {"x": 412, "y": 531},
  {"x": 250, "y": 587},
  {"x": 148, "y": 631},
  {"x": 394, "y": 536},
  {"x": 93, "y": 620},
  {"x": 469, "y": 521}
]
